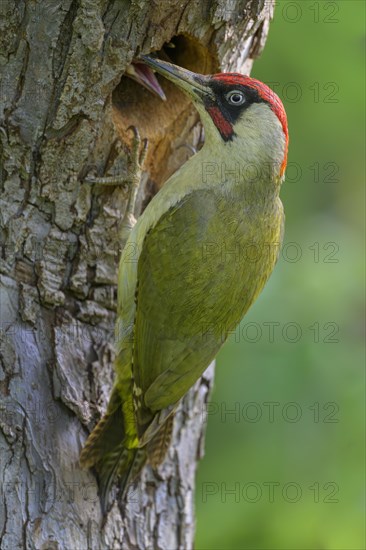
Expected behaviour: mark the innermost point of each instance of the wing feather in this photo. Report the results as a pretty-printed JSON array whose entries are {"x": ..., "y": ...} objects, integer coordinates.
[{"x": 194, "y": 286}]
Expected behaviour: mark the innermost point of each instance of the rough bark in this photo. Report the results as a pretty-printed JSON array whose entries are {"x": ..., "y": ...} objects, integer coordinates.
[{"x": 65, "y": 108}]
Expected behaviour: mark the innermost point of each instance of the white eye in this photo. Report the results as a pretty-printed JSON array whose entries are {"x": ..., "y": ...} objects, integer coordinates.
[{"x": 235, "y": 97}]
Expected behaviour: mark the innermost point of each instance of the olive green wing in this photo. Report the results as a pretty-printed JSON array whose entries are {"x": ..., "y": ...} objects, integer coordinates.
[{"x": 191, "y": 290}]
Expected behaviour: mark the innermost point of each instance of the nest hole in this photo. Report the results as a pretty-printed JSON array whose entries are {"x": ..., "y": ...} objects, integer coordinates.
[{"x": 171, "y": 125}]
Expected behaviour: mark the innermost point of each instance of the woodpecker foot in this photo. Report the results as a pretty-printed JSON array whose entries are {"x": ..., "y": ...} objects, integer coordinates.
[
  {"x": 131, "y": 182},
  {"x": 138, "y": 153},
  {"x": 136, "y": 161},
  {"x": 116, "y": 179}
]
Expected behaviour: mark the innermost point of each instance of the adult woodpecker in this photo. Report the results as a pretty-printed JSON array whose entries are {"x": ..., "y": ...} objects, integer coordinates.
[{"x": 203, "y": 250}]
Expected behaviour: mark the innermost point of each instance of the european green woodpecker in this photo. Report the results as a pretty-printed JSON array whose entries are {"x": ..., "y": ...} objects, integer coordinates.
[{"x": 194, "y": 262}]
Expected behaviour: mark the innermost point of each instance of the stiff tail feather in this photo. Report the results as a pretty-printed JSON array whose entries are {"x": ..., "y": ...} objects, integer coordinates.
[
  {"x": 104, "y": 450},
  {"x": 157, "y": 447}
]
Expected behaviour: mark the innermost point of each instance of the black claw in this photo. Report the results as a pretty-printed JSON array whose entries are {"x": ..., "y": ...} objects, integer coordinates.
[
  {"x": 145, "y": 143},
  {"x": 135, "y": 131}
]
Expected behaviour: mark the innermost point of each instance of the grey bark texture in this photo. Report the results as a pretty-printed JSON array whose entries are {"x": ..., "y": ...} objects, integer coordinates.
[{"x": 65, "y": 110}]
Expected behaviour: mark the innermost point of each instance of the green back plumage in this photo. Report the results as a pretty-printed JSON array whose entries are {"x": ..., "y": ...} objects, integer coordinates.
[
  {"x": 187, "y": 276},
  {"x": 194, "y": 284}
]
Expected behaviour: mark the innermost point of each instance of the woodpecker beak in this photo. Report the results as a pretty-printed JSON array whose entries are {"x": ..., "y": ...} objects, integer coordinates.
[
  {"x": 194, "y": 85},
  {"x": 144, "y": 76}
]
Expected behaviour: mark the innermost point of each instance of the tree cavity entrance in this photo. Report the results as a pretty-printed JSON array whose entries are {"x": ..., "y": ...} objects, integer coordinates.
[{"x": 171, "y": 126}]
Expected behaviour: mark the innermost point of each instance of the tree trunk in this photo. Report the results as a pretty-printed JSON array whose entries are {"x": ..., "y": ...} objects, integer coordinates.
[{"x": 65, "y": 110}]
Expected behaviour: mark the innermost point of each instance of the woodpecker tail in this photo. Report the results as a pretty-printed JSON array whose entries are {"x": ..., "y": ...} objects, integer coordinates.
[
  {"x": 105, "y": 451},
  {"x": 157, "y": 447},
  {"x": 105, "y": 448}
]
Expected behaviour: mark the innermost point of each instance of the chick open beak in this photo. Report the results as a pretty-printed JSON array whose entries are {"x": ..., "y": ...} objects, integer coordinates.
[{"x": 142, "y": 74}]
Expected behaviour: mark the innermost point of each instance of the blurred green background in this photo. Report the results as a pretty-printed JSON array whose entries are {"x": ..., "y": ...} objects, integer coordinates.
[{"x": 286, "y": 469}]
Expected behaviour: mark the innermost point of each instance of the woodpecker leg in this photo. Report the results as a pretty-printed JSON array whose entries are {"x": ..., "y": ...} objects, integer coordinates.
[
  {"x": 137, "y": 158},
  {"x": 132, "y": 182}
]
